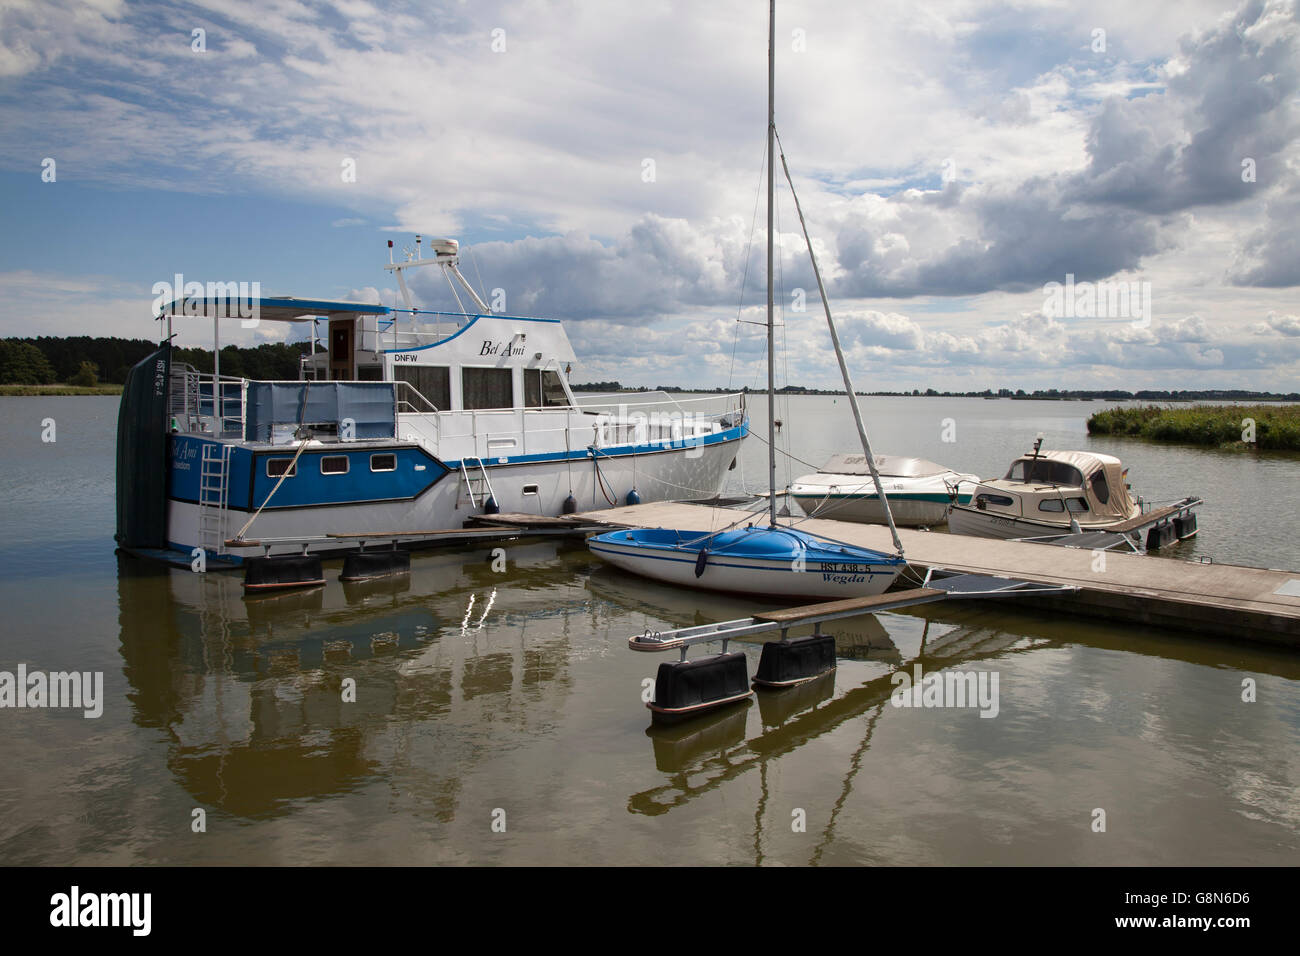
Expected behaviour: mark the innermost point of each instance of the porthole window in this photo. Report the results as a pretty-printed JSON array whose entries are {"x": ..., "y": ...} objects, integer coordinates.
[
  {"x": 334, "y": 465},
  {"x": 276, "y": 467},
  {"x": 383, "y": 462}
]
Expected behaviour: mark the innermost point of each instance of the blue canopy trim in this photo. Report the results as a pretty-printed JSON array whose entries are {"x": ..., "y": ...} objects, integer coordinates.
[{"x": 282, "y": 309}]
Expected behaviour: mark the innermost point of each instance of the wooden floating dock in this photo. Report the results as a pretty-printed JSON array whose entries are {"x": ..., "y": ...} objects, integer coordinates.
[{"x": 1220, "y": 599}]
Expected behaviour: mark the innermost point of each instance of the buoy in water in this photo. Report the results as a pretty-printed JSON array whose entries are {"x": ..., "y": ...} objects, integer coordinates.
[
  {"x": 685, "y": 688},
  {"x": 795, "y": 660},
  {"x": 283, "y": 571}
]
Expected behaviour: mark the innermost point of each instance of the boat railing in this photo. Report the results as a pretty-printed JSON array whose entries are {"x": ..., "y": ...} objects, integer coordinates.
[
  {"x": 492, "y": 434},
  {"x": 193, "y": 410},
  {"x": 718, "y": 407}
]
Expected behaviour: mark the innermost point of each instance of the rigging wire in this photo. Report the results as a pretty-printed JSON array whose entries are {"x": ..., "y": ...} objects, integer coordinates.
[{"x": 749, "y": 246}]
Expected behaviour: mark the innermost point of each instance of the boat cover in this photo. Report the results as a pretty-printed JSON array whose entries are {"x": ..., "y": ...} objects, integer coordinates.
[
  {"x": 368, "y": 404},
  {"x": 895, "y": 466}
]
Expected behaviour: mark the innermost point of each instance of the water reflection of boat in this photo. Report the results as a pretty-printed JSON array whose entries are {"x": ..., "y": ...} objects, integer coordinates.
[{"x": 250, "y": 692}]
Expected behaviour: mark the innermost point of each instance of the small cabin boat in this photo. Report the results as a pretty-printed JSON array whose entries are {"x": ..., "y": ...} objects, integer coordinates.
[
  {"x": 1049, "y": 493},
  {"x": 403, "y": 421},
  {"x": 919, "y": 491}
]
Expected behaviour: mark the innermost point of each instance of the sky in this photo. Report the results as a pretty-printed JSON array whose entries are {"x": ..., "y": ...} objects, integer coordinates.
[{"x": 1033, "y": 194}]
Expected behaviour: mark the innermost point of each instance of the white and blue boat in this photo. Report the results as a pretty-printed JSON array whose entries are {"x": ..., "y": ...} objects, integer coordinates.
[
  {"x": 403, "y": 421},
  {"x": 777, "y": 562}
]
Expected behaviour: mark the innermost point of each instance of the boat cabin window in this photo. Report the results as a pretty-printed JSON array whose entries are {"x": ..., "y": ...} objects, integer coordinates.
[
  {"x": 275, "y": 467},
  {"x": 431, "y": 381},
  {"x": 1045, "y": 471},
  {"x": 334, "y": 465},
  {"x": 1002, "y": 501},
  {"x": 543, "y": 389},
  {"x": 383, "y": 462},
  {"x": 1076, "y": 505},
  {"x": 1099, "y": 486},
  {"x": 486, "y": 388}
]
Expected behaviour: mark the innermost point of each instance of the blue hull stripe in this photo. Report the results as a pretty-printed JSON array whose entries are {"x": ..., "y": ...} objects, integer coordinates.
[{"x": 811, "y": 566}]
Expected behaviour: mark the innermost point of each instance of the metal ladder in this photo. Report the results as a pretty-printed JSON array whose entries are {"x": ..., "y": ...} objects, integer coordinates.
[
  {"x": 214, "y": 492},
  {"x": 474, "y": 486}
]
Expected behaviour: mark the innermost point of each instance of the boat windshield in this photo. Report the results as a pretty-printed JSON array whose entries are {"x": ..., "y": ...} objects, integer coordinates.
[{"x": 1045, "y": 471}]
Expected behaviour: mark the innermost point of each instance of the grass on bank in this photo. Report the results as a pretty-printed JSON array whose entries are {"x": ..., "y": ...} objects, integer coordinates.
[
  {"x": 60, "y": 390},
  {"x": 1276, "y": 427}
]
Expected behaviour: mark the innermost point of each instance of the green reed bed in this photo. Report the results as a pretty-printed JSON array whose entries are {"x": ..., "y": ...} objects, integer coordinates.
[
  {"x": 30, "y": 390},
  {"x": 1276, "y": 427}
]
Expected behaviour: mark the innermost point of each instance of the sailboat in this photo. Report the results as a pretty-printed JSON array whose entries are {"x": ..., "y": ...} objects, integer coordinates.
[{"x": 769, "y": 560}]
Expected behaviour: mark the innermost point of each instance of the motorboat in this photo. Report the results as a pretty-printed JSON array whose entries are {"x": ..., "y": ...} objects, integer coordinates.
[
  {"x": 1049, "y": 493},
  {"x": 919, "y": 491},
  {"x": 406, "y": 422}
]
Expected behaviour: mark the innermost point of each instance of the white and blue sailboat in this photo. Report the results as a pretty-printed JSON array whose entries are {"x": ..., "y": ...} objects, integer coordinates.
[
  {"x": 403, "y": 423},
  {"x": 767, "y": 560}
]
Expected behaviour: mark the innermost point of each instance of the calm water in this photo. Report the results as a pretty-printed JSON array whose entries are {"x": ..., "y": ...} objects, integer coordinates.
[{"x": 513, "y": 694}]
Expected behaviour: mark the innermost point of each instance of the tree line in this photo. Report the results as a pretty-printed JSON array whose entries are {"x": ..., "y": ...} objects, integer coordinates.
[{"x": 86, "y": 360}]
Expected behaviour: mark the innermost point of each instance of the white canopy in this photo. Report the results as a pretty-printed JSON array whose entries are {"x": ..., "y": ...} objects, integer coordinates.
[{"x": 894, "y": 466}]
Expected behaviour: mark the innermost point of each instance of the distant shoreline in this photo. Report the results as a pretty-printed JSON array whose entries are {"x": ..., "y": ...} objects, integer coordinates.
[
  {"x": 33, "y": 391},
  {"x": 1049, "y": 395}
]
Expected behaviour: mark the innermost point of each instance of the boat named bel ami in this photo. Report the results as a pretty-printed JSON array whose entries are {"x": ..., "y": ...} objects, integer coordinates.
[{"x": 403, "y": 421}]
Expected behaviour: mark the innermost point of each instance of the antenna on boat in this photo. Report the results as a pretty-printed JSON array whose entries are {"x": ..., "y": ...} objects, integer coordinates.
[{"x": 446, "y": 253}]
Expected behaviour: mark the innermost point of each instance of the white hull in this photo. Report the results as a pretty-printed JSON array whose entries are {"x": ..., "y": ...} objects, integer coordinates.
[
  {"x": 985, "y": 524},
  {"x": 753, "y": 575},
  {"x": 864, "y": 509},
  {"x": 914, "y": 500}
]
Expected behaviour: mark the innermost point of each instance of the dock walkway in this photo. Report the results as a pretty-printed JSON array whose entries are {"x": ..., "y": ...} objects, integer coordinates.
[{"x": 1221, "y": 599}]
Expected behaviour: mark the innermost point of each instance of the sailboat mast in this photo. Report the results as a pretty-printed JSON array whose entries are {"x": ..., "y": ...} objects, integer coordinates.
[{"x": 771, "y": 336}]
